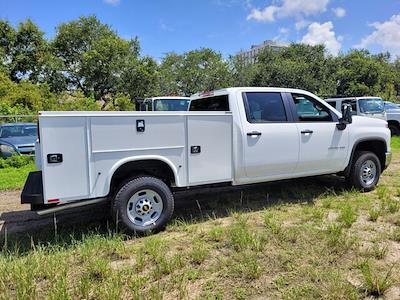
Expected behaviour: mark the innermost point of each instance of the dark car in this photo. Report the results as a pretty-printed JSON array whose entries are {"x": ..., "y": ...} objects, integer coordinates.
[{"x": 21, "y": 136}]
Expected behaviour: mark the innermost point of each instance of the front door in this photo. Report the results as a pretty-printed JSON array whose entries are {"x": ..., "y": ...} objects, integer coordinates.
[
  {"x": 323, "y": 147},
  {"x": 270, "y": 140}
]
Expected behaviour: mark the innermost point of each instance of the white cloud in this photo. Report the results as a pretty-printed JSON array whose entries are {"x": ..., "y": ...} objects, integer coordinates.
[
  {"x": 112, "y": 2},
  {"x": 322, "y": 34},
  {"x": 301, "y": 24},
  {"x": 283, "y": 30},
  {"x": 264, "y": 15},
  {"x": 288, "y": 8},
  {"x": 340, "y": 12},
  {"x": 386, "y": 35}
]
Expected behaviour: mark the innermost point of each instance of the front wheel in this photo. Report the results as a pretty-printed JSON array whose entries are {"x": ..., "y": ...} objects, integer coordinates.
[
  {"x": 365, "y": 171},
  {"x": 143, "y": 204}
]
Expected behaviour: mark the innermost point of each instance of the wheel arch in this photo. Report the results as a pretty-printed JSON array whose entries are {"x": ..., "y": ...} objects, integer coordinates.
[
  {"x": 394, "y": 122},
  {"x": 377, "y": 145},
  {"x": 150, "y": 165}
]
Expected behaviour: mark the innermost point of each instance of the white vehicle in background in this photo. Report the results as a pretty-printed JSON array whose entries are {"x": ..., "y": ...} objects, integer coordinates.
[
  {"x": 165, "y": 103},
  {"x": 393, "y": 117},
  {"x": 372, "y": 107},
  {"x": 390, "y": 105},
  {"x": 233, "y": 136}
]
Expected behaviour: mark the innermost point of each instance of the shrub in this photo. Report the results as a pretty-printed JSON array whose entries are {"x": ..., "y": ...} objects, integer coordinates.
[{"x": 15, "y": 161}]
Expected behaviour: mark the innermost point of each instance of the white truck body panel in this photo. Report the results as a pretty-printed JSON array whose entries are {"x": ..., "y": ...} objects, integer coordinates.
[{"x": 95, "y": 144}]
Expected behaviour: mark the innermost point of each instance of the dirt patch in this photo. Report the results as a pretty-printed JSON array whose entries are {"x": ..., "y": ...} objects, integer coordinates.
[{"x": 17, "y": 218}]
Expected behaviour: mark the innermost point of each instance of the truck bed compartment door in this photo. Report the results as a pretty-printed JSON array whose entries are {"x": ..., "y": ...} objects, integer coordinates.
[
  {"x": 209, "y": 148},
  {"x": 64, "y": 158}
]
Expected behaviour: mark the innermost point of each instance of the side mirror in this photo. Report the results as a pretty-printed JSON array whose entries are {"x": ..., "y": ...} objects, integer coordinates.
[{"x": 347, "y": 117}]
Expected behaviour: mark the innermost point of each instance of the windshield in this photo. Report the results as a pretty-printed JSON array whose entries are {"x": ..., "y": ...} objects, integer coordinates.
[
  {"x": 371, "y": 105},
  {"x": 171, "y": 104},
  {"x": 18, "y": 130},
  {"x": 390, "y": 105}
]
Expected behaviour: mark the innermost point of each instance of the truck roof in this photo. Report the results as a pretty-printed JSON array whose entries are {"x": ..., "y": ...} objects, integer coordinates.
[
  {"x": 246, "y": 89},
  {"x": 169, "y": 97},
  {"x": 352, "y": 98}
]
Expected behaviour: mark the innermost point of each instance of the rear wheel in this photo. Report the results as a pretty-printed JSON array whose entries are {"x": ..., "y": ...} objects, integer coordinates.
[
  {"x": 143, "y": 204},
  {"x": 365, "y": 171}
]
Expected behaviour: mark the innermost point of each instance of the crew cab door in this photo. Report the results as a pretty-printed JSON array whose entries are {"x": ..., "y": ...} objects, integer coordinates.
[
  {"x": 270, "y": 139},
  {"x": 323, "y": 147}
]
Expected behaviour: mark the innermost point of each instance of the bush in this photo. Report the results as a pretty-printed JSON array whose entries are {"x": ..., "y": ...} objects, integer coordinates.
[{"x": 15, "y": 161}]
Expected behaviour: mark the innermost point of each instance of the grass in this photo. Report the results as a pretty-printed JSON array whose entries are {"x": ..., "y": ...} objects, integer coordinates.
[
  {"x": 14, "y": 178},
  {"x": 316, "y": 240},
  {"x": 375, "y": 282}
]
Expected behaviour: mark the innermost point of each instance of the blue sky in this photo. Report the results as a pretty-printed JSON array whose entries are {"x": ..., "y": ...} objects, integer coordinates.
[{"x": 226, "y": 25}]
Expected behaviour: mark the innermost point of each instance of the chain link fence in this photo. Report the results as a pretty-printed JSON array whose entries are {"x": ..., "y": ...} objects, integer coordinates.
[{"x": 17, "y": 119}]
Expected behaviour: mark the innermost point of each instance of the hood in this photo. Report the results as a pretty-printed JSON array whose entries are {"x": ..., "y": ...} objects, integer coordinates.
[
  {"x": 369, "y": 121},
  {"x": 393, "y": 111},
  {"x": 20, "y": 140}
]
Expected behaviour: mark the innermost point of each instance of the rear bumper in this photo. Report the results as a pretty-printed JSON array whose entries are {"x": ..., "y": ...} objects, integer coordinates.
[
  {"x": 388, "y": 159},
  {"x": 33, "y": 189}
]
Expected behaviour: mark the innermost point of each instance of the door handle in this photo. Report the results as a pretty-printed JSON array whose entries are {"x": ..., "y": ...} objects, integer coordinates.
[
  {"x": 256, "y": 133},
  {"x": 307, "y": 131}
]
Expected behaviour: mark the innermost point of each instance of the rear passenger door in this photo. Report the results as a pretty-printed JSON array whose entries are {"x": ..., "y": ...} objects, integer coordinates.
[
  {"x": 323, "y": 147},
  {"x": 270, "y": 138}
]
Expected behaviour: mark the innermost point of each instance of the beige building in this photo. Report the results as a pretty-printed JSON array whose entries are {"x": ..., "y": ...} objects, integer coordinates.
[{"x": 250, "y": 56}]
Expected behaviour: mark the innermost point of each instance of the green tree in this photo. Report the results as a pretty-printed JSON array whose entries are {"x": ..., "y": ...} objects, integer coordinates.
[
  {"x": 24, "y": 96},
  {"x": 243, "y": 73},
  {"x": 194, "y": 71},
  {"x": 298, "y": 66},
  {"x": 93, "y": 56},
  {"x": 140, "y": 77},
  {"x": 361, "y": 73},
  {"x": 7, "y": 41},
  {"x": 27, "y": 52}
]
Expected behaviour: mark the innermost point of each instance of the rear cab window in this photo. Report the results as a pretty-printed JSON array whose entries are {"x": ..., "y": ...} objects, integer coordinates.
[
  {"x": 264, "y": 107},
  {"x": 215, "y": 103}
]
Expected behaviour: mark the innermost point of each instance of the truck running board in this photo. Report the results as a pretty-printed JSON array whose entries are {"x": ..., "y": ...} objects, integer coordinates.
[{"x": 62, "y": 207}]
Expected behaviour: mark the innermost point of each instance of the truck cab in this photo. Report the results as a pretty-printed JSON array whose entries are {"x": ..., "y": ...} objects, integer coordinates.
[
  {"x": 166, "y": 103},
  {"x": 233, "y": 136}
]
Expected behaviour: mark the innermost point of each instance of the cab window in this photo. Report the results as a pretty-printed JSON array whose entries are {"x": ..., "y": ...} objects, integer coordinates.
[
  {"x": 263, "y": 107},
  {"x": 311, "y": 110},
  {"x": 217, "y": 103}
]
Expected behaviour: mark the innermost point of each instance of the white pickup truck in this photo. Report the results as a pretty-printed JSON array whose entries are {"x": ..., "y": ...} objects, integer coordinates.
[{"x": 233, "y": 136}]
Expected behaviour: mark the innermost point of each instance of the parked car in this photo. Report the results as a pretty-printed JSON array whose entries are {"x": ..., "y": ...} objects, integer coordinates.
[
  {"x": 233, "y": 136},
  {"x": 22, "y": 136},
  {"x": 7, "y": 150},
  {"x": 166, "y": 103}
]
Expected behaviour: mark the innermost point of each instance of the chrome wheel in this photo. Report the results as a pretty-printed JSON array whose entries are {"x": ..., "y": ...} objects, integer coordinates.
[
  {"x": 144, "y": 207},
  {"x": 368, "y": 172}
]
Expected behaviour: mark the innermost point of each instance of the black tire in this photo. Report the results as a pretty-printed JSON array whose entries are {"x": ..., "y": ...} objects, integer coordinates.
[
  {"x": 355, "y": 178},
  {"x": 394, "y": 129},
  {"x": 120, "y": 204}
]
